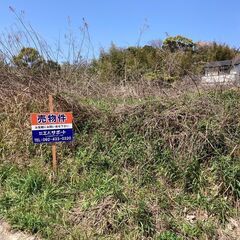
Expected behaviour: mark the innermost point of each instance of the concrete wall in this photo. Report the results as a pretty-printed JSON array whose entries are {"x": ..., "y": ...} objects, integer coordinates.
[
  {"x": 236, "y": 70},
  {"x": 221, "y": 79},
  {"x": 213, "y": 77}
]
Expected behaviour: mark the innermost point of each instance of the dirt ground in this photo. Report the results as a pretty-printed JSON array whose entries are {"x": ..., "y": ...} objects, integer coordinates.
[
  {"x": 231, "y": 232},
  {"x": 7, "y": 234}
]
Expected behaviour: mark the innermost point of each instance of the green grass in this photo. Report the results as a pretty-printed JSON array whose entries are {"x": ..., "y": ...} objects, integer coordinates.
[{"x": 140, "y": 174}]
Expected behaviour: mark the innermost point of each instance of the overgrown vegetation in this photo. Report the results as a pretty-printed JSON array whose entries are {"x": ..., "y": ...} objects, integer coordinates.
[
  {"x": 167, "y": 170},
  {"x": 169, "y": 62},
  {"x": 147, "y": 162}
]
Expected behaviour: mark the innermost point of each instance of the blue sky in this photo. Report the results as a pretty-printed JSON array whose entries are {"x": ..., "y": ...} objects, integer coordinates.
[{"x": 120, "y": 21}]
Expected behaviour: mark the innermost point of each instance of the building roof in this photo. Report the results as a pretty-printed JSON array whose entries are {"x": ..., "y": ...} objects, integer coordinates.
[
  {"x": 235, "y": 61},
  {"x": 219, "y": 64}
]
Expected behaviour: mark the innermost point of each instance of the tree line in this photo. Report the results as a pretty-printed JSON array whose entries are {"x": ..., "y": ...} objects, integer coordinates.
[{"x": 169, "y": 60}]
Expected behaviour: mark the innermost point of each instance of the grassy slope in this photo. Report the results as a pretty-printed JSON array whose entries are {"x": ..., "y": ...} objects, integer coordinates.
[{"x": 156, "y": 169}]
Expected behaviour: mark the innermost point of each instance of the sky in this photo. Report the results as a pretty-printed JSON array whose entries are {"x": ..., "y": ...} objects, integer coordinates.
[{"x": 122, "y": 21}]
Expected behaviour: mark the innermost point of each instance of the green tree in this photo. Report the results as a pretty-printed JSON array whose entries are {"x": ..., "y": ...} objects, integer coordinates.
[
  {"x": 28, "y": 57},
  {"x": 128, "y": 64},
  {"x": 52, "y": 67},
  {"x": 31, "y": 59},
  {"x": 178, "y": 43},
  {"x": 216, "y": 52}
]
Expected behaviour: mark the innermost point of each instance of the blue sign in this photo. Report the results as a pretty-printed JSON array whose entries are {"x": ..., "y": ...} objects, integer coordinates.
[
  {"x": 52, "y": 127},
  {"x": 48, "y": 136}
]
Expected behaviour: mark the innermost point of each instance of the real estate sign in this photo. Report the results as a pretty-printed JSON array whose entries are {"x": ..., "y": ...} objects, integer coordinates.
[{"x": 52, "y": 127}]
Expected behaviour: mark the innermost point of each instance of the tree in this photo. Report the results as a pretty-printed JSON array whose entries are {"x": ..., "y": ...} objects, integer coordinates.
[
  {"x": 52, "y": 66},
  {"x": 178, "y": 43},
  {"x": 28, "y": 57},
  {"x": 220, "y": 52},
  {"x": 31, "y": 59}
]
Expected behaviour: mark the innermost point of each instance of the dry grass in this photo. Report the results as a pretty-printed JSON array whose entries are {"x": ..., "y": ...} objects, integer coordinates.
[{"x": 147, "y": 159}]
